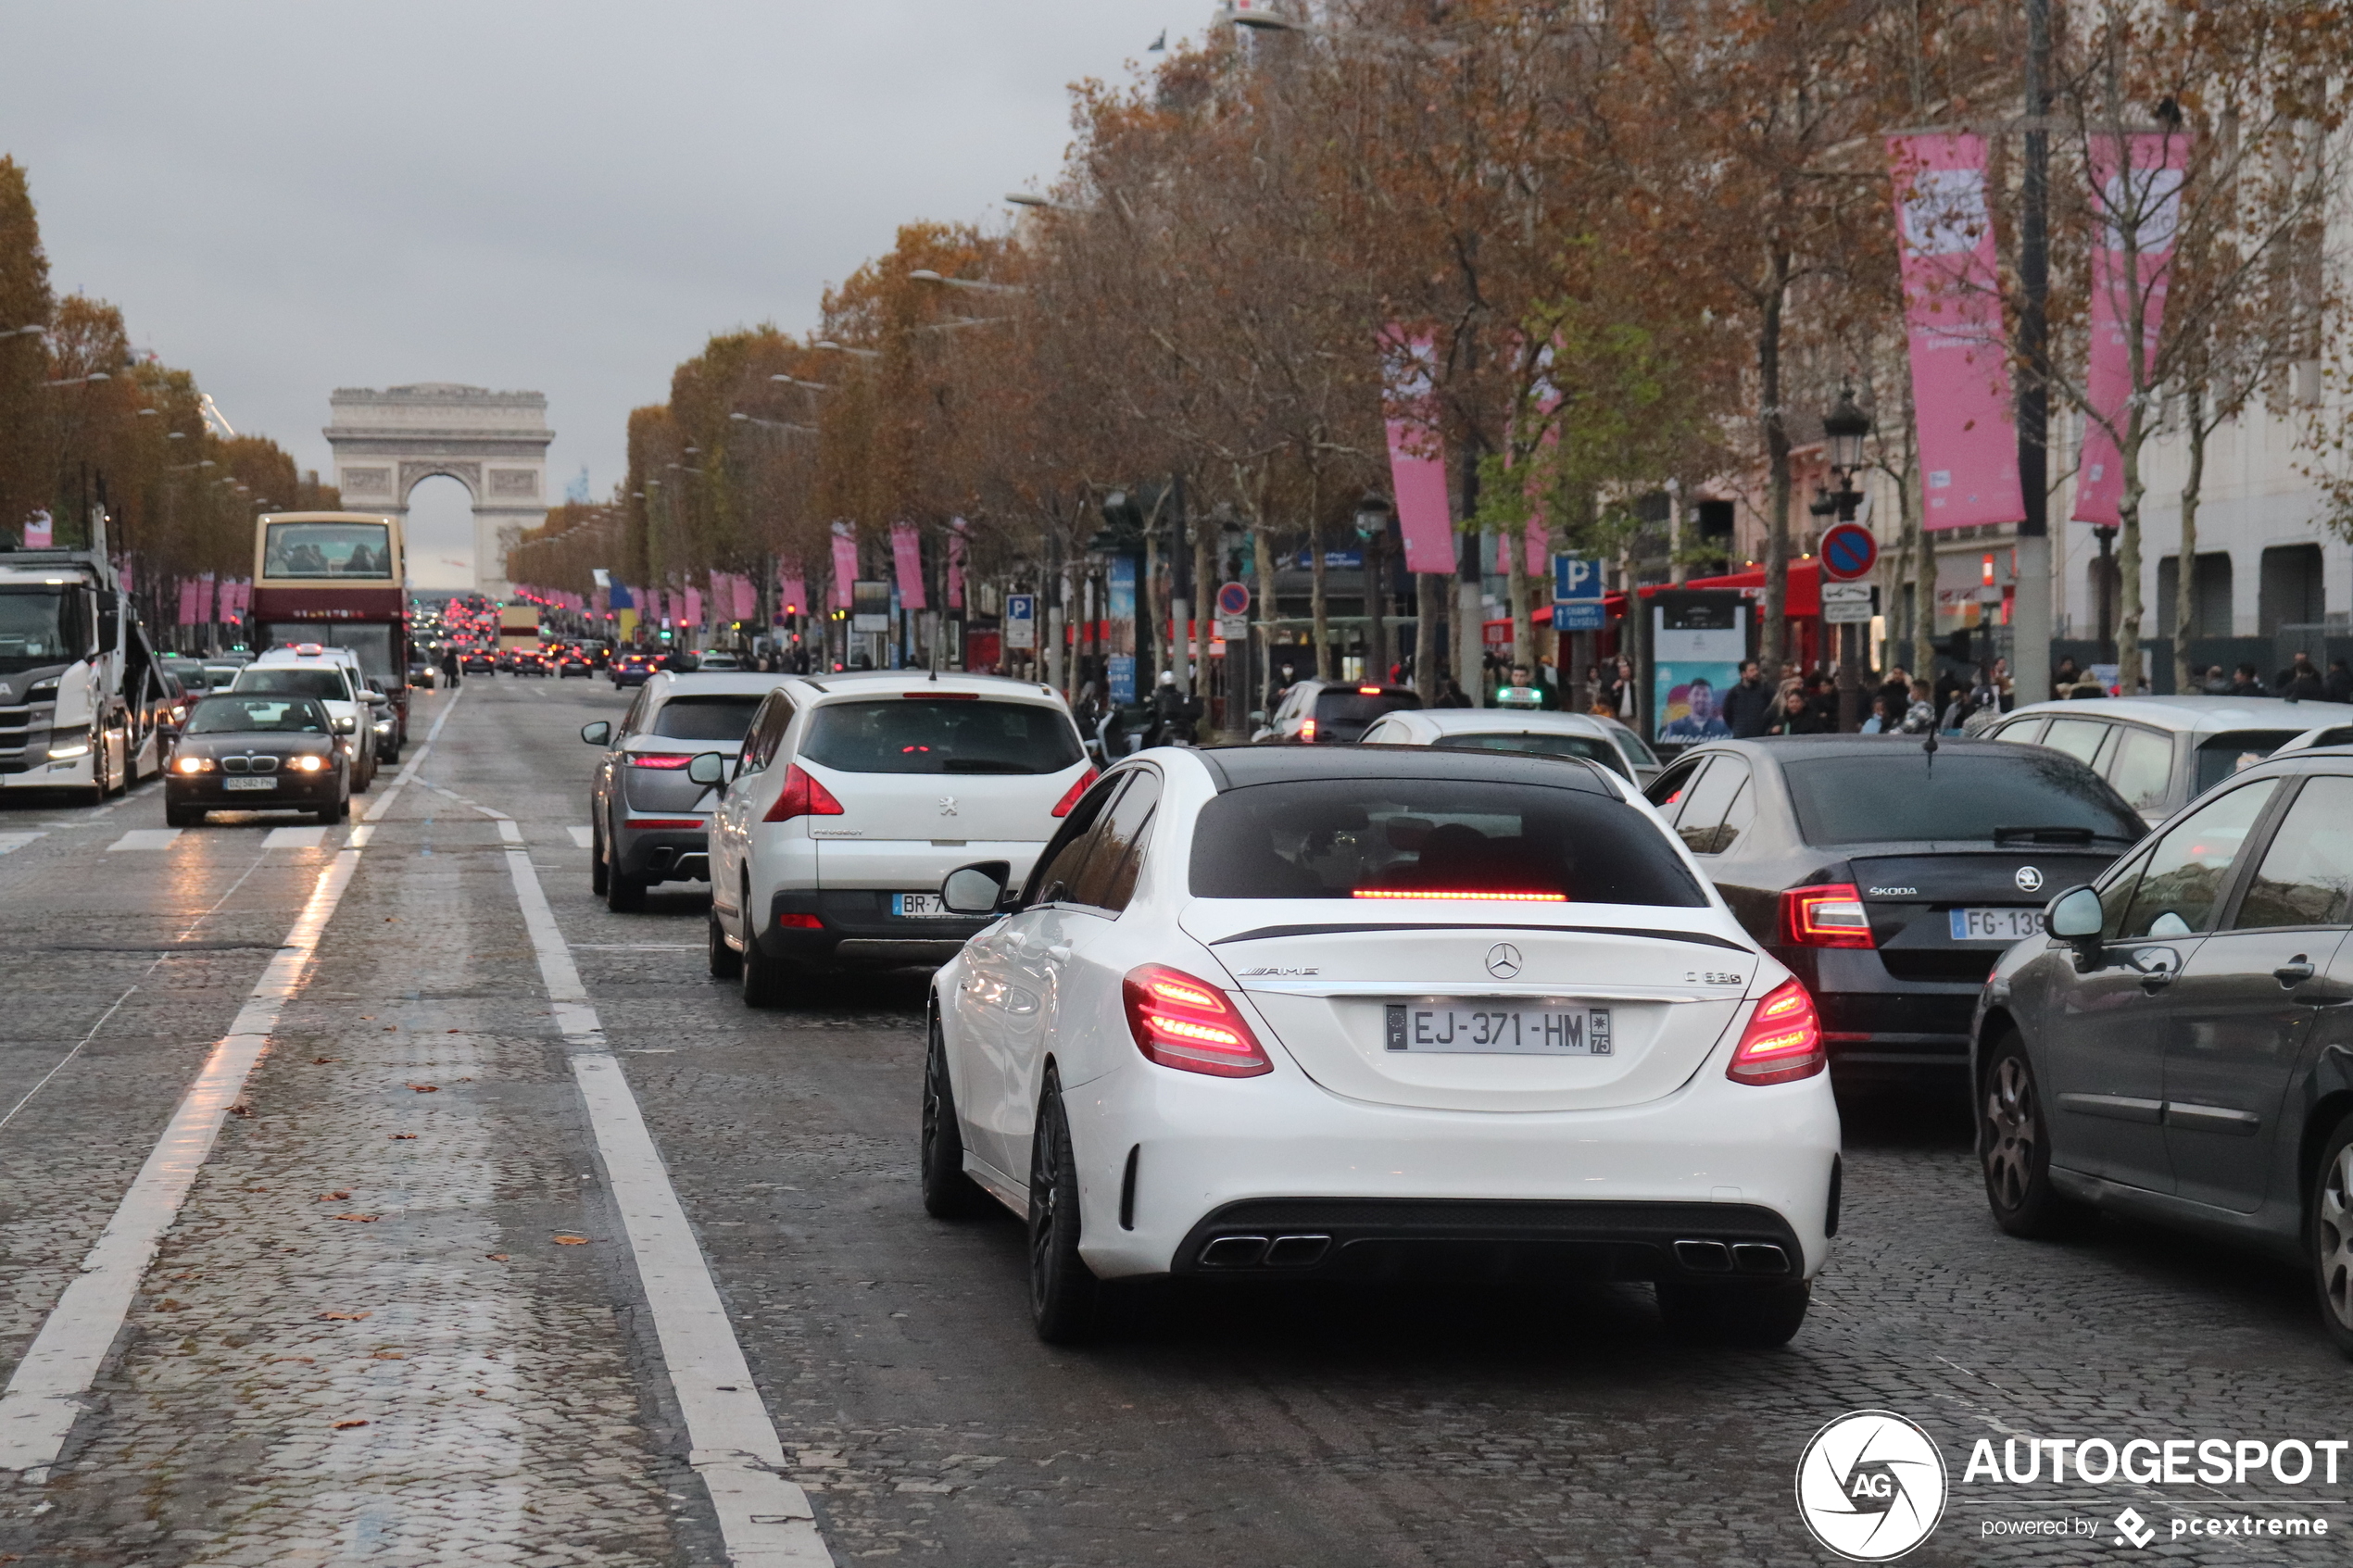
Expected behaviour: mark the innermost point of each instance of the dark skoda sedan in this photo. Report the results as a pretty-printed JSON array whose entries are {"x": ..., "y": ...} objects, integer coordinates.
[
  {"x": 258, "y": 751},
  {"x": 1889, "y": 876},
  {"x": 2180, "y": 1048}
]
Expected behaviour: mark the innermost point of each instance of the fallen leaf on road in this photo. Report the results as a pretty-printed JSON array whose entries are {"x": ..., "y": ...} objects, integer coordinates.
[
  {"x": 344, "y": 1317},
  {"x": 392, "y": 1028},
  {"x": 323, "y": 1060},
  {"x": 341, "y": 1425},
  {"x": 400, "y": 1137},
  {"x": 241, "y": 1110},
  {"x": 572, "y": 1241},
  {"x": 495, "y": 1257},
  {"x": 390, "y": 1356},
  {"x": 189, "y": 1275},
  {"x": 257, "y": 1189},
  {"x": 363, "y": 1219},
  {"x": 166, "y": 1305},
  {"x": 427, "y": 1088},
  {"x": 332, "y": 1197},
  {"x": 453, "y": 1031}
]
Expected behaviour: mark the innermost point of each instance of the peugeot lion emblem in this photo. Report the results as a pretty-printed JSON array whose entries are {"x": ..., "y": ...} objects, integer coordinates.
[
  {"x": 947, "y": 804},
  {"x": 2029, "y": 879},
  {"x": 1502, "y": 961}
]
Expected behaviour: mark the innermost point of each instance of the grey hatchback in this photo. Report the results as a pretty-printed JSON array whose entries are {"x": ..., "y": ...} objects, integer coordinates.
[{"x": 2179, "y": 1046}]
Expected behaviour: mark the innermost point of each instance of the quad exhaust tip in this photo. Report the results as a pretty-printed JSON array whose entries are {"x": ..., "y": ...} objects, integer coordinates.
[
  {"x": 1275, "y": 1252},
  {"x": 1738, "y": 1257}
]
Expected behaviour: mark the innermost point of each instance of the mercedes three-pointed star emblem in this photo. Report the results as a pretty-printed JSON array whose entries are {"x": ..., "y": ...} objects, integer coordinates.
[{"x": 1502, "y": 961}]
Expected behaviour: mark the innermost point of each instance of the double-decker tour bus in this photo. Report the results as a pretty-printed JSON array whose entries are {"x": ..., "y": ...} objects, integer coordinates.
[{"x": 339, "y": 579}]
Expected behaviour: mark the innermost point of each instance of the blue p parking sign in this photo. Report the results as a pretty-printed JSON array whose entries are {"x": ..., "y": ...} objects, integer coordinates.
[{"x": 1577, "y": 594}]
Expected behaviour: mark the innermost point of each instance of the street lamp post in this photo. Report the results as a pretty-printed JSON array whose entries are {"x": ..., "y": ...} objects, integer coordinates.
[
  {"x": 1845, "y": 431},
  {"x": 1374, "y": 514}
]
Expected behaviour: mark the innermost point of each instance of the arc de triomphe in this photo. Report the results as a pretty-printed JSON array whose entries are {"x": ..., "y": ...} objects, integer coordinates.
[{"x": 492, "y": 443}]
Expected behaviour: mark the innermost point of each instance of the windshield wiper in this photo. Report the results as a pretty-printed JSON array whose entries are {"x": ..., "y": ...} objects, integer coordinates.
[{"x": 2047, "y": 836}]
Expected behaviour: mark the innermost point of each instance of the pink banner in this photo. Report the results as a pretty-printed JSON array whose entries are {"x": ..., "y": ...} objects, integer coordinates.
[
  {"x": 38, "y": 531},
  {"x": 1953, "y": 311},
  {"x": 956, "y": 542},
  {"x": 845, "y": 562},
  {"x": 694, "y": 607},
  {"x": 2139, "y": 217},
  {"x": 907, "y": 555},
  {"x": 792, "y": 589},
  {"x": 1416, "y": 456},
  {"x": 187, "y": 601}
]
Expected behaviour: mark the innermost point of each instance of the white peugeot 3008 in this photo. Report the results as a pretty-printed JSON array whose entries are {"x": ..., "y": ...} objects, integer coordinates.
[
  {"x": 1360, "y": 1013},
  {"x": 854, "y": 795}
]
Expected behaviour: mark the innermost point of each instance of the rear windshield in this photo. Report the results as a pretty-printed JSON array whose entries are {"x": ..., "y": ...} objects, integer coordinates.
[
  {"x": 2221, "y": 755},
  {"x": 1592, "y": 749},
  {"x": 1346, "y": 712},
  {"x": 325, "y": 684},
  {"x": 232, "y": 715},
  {"x": 700, "y": 717},
  {"x": 941, "y": 736},
  {"x": 1906, "y": 794},
  {"x": 1375, "y": 838}
]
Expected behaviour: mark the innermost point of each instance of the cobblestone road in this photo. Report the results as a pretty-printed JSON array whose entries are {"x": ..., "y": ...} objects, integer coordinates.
[{"x": 397, "y": 1318}]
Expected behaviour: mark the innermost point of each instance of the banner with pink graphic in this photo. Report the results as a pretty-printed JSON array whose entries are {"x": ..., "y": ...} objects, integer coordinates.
[
  {"x": 1952, "y": 314},
  {"x": 38, "y": 531},
  {"x": 907, "y": 555},
  {"x": 694, "y": 607},
  {"x": 2139, "y": 215},
  {"x": 1416, "y": 454},
  {"x": 845, "y": 563}
]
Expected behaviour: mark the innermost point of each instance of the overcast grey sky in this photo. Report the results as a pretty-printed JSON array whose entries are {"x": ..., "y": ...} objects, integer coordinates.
[{"x": 286, "y": 198}]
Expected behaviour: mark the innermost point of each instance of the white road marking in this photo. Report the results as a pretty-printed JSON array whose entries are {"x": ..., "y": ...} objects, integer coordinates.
[
  {"x": 146, "y": 838},
  {"x": 765, "y": 1518},
  {"x": 38, "y": 1409},
  {"x": 292, "y": 838},
  {"x": 582, "y": 838},
  {"x": 17, "y": 840}
]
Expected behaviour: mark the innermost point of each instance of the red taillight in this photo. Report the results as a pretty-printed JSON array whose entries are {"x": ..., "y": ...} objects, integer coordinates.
[
  {"x": 1307, "y": 729},
  {"x": 800, "y": 922},
  {"x": 673, "y": 824},
  {"x": 1070, "y": 797},
  {"x": 661, "y": 758},
  {"x": 801, "y": 797},
  {"x": 1829, "y": 915},
  {"x": 1459, "y": 893},
  {"x": 1187, "y": 1023},
  {"x": 1368, "y": 691},
  {"x": 1783, "y": 1039}
]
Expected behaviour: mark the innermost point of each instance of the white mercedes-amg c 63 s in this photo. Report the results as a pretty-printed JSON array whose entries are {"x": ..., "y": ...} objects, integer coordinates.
[{"x": 1346, "y": 1013}]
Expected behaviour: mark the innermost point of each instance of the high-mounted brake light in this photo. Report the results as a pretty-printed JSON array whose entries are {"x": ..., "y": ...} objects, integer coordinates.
[
  {"x": 1459, "y": 893},
  {"x": 1828, "y": 915},
  {"x": 1368, "y": 691},
  {"x": 1307, "y": 729},
  {"x": 1070, "y": 797},
  {"x": 801, "y": 797},
  {"x": 1188, "y": 1024},
  {"x": 661, "y": 758},
  {"x": 1783, "y": 1040}
]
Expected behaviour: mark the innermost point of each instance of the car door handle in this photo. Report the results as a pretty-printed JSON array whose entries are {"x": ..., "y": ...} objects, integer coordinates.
[
  {"x": 2293, "y": 972},
  {"x": 2156, "y": 981}
]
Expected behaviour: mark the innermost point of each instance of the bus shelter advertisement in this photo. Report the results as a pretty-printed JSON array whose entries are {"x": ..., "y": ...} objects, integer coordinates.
[
  {"x": 1698, "y": 638},
  {"x": 1874, "y": 1486}
]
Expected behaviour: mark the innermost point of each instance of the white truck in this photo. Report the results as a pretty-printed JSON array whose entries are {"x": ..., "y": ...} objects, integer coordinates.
[{"x": 78, "y": 682}]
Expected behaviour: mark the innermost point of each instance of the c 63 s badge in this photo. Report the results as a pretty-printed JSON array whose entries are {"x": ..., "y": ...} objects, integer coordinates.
[{"x": 1870, "y": 1485}]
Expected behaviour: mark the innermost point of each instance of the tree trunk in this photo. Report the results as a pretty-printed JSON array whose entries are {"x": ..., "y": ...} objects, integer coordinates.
[
  {"x": 1775, "y": 648},
  {"x": 1206, "y": 574},
  {"x": 1522, "y": 598},
  {"x": 2185, "y": 570},
  {"x": 2128, "y": 558},
  {"x": 1318, "y": 608},
  {"x": 1262, "y": 558},
  {"x": 1923, "y": 574},
  {"x": 1429, "y": 638}
]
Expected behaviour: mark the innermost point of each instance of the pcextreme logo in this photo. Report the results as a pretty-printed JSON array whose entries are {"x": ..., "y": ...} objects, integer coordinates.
[{"x": 1870, "y": 1485}]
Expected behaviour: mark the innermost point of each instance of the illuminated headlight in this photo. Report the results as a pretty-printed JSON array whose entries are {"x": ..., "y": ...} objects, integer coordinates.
[
  {"x": 192, "y": 765},
  {"x": 309, "y": 764},
  {"x": 68, "y": 752}
]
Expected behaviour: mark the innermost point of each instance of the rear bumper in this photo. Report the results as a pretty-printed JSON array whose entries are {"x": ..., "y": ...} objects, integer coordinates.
[
  {"x": 858, "y": 927},
  {"x": 663, "y": 854},
  {"x": 295, "y": 792},
  {"x": 1879, "y": 1028}
]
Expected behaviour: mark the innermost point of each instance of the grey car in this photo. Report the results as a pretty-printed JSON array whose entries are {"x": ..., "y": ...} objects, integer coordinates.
[
  {"x": 2179, "y": 1046},
  {"x": 649, "y": 823}
]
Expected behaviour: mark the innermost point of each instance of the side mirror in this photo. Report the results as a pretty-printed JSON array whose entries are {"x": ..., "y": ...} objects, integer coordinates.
[
  {"x": 709, "y": 770},
  {"x": 2075, "y": 916},
  {"x": 976, "y": 889},
  {"x": 597, "y": 733}
]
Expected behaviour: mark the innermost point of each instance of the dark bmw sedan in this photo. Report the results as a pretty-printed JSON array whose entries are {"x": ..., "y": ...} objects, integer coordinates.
[
  {"x": 1889, "y": 877},
  {"x": 257, "y": 751},
  {"x": 2180, "y": 1048}
]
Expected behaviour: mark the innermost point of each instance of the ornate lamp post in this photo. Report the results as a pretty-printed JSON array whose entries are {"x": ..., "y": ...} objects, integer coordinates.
[{"x": 1844, "y": 429}]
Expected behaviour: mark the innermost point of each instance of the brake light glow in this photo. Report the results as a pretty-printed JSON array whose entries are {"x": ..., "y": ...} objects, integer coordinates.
[
  {"x": 1307, "y": 729},
  {"x": 661, "y": 758},
  {"x": 799, "y": 923},
  {"x": 1070, "y": 797},
  {"x": 1459, "y": 893},
  {"x": 1783, "y": 1040},
  {"x": 942, "y": 697},
  {"x": 1188, "y": 1024},
  {"x": 677, "y": 823},
  {"x": 1368, "y": 691},
  {"x": 1828, "y": 915},
  {"x": 801, "y": 797}
]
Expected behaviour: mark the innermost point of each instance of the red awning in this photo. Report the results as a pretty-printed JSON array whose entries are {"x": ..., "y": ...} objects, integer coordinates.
[{"x": 1805, "y": 585}]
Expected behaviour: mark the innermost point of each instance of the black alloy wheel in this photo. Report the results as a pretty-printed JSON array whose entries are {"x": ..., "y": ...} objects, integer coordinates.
[
  {"x": 2332, "y": 1234},
  {"x": 597, "y": 871},
  {"x": 1064, "y": 1296},
  {"x": 948, "y": 1194},
  {"x": 623, "y": 894},
  {"x": 2014, "y": 1149},
  {"x": 725, "y": 962}
]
